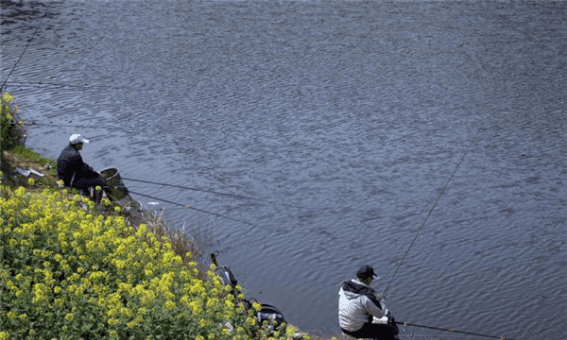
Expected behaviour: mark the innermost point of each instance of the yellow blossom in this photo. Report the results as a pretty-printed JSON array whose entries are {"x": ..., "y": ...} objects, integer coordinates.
[{"x": 251, "y": 321}]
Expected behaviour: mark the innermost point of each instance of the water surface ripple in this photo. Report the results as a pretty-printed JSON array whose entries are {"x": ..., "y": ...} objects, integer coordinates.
[{"x": 344, "y": 121}]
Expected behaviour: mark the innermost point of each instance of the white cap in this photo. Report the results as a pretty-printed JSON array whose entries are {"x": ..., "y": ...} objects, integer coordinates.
[{"x": 76, "y": 139}]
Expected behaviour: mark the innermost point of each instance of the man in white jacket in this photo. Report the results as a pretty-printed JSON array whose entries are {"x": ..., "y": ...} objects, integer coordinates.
[{"x": 358, "y": 305}]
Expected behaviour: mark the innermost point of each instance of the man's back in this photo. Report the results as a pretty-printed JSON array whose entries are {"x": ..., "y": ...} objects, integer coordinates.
[
  {"x": 69, "y": 164},
  {"x": 356, "y": 306}
]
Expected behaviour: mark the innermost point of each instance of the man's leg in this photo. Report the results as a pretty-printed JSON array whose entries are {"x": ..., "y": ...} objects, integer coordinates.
[
  {"x": 376, "y": 331},
  {"x": 84, "y": 184}
]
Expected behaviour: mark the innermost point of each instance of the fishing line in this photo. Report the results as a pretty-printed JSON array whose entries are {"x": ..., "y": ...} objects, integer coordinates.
[
  {"x": 40, "y": 84},
  {"x": 211, "y": 192},
  {"x": 196, "y": 209},
  {"x": 429, "y": 213},
  {"x": 85, "y": 86},
  {"x": 57, "y": 125},
  {"x": 453, "y": 331},
  {"x": 28, "y": 44}
]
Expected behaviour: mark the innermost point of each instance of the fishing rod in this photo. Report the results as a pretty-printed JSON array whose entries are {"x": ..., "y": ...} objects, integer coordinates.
[
  {"x": 33, "y": 123},
  {"x": 209, "y": 191},
  {"x": 192, "y": 208},
  {"x": 450, "y": 330},
  {"x": 429, "y": 213},
  {"x": 27, "y": 45},
  {"x": 63, "y": 86}
]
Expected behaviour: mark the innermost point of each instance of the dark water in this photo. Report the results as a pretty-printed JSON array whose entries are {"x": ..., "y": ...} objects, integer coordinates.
[{"x": 353, "y": 125}]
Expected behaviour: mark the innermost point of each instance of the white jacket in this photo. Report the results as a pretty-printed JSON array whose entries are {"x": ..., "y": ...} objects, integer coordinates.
[{"x": 356, "y": 306}]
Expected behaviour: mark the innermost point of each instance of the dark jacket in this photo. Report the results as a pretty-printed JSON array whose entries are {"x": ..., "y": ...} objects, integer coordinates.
[{"x": 71, "y": 163}]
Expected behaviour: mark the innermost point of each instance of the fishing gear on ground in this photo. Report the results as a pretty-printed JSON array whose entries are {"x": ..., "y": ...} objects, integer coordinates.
[{"x": 268, "y": 314}]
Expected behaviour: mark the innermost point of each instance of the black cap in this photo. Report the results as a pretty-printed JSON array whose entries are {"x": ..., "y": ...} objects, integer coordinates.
[{"x": 365, "y": 272}]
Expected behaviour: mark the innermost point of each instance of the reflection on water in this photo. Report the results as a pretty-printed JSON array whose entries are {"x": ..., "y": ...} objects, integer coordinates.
[{"x": 344, "y": 121}]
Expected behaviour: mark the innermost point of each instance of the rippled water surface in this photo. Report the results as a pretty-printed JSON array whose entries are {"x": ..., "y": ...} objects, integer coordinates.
[{"x": 350, "y": 126}]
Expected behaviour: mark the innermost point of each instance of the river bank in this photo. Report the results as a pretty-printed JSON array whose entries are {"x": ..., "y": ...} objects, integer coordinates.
[{"x": 19, "y": 181}]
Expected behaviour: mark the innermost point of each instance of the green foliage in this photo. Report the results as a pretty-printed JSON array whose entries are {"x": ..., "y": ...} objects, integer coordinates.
[{"x": 10, "y": 128}]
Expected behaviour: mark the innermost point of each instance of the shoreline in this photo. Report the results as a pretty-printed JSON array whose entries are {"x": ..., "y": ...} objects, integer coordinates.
[{"x": 25, "y": 158}]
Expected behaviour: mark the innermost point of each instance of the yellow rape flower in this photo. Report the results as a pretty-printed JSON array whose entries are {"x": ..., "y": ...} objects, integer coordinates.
[
  {"x": 229, "y": 304},
  {"x": 251, "y": 321},
  {"x": 290, "y": 331},
  {"x": 195, "y": 307},
  {"x": 20, "y": 192}
]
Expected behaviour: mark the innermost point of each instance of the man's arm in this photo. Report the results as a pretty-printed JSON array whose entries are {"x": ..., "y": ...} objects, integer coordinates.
[{"x": 373, "y": 309}]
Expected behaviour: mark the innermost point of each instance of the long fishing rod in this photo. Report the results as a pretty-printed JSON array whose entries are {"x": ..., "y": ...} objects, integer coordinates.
[
  {"x": 27, "y": 45},
  {"x": 208, "y": 191},
  {"x": 39, "y": 83},
  {"x": 450, "y": 330},
  {"x": 33, "y": 123},
  {"x": 429, "y": 213},
  {"x": 193, "y": 208},
  {"x": 43, "y": 85}
]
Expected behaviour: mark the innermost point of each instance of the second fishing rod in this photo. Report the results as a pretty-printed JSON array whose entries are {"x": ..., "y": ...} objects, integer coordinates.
[{"x": 235, "y": 196}]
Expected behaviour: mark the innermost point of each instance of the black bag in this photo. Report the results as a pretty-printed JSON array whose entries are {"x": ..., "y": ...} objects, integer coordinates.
[
  {"x": 271, "y": 315},
  {"x": 267, "y": 313},
  {"x": 226, "y": 276}
]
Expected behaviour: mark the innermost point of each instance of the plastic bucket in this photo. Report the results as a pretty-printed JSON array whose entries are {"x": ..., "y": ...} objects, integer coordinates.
[{"x": 113, "y": 185}]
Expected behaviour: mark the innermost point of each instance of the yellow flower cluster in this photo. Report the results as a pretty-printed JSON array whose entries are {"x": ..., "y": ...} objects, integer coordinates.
[{"x": 70, "y": 273}]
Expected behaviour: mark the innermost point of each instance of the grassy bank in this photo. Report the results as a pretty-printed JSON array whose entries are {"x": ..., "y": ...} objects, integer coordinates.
[
  {"x": 71, "y": 273},
  {"x": 74, "y": 270}
]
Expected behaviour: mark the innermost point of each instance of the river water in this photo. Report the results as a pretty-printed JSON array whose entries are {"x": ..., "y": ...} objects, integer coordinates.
[{"x": 351, "y": 127}]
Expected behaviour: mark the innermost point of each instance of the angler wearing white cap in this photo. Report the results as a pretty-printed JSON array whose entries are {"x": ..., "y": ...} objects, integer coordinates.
[
  {"x": 74, "y": 172},
  {"x": 359, "y": 306}
]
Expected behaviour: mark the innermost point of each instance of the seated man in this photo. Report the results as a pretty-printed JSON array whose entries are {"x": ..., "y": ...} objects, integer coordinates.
[
  {"x": 75, "y": 173},
  {"x": 358, "y": 305}
]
